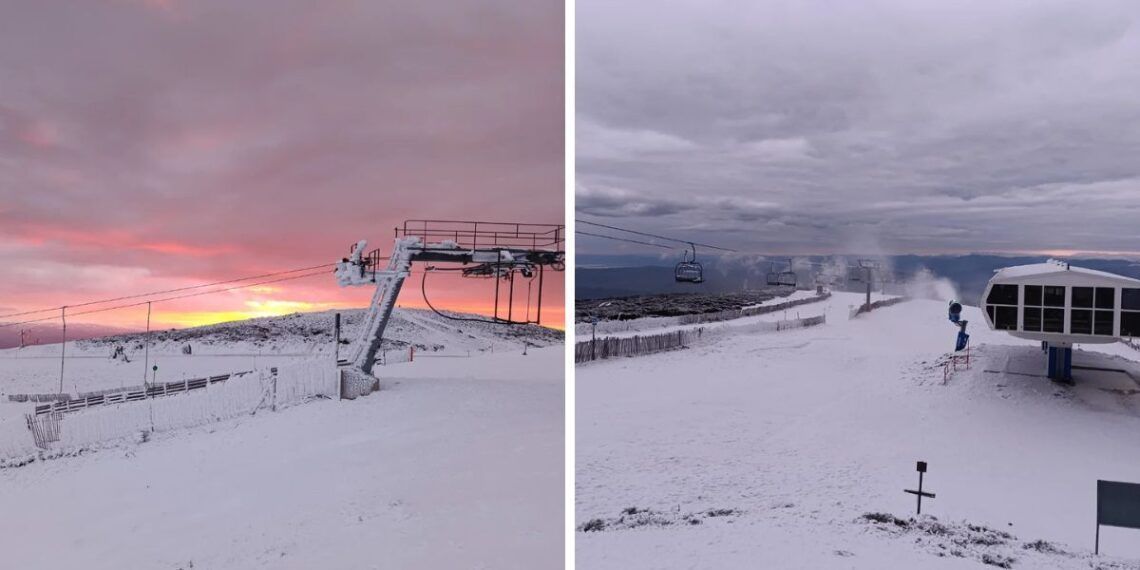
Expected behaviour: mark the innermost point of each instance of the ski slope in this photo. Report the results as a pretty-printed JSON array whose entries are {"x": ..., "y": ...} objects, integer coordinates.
[
  {"x": 456, "y": 463},
  {"x": 772, "y": 447}
]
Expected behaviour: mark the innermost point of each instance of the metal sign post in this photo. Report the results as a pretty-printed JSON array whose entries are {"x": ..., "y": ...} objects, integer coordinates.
[
  {"x": 594, "y": 338},
  {"x": 337, "y": 337},
  {"x": 62, "y": 346},
  {"x": 146, "y": 343},
  {"x": 1117, "y": 504},
  {"x": 920, "y": 494}
]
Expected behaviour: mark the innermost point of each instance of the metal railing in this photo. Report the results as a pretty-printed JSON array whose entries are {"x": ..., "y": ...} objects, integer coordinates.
[{"x": 474, "y": 234}]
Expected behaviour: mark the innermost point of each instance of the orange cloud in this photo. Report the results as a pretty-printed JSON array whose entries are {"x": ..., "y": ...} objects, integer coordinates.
[
  {"x": 116, "y": 239},
  {"x": 40, "y": 134}
]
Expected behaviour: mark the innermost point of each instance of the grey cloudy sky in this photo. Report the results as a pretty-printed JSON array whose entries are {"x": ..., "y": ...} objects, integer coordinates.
[{"x": 828, "y": 127}]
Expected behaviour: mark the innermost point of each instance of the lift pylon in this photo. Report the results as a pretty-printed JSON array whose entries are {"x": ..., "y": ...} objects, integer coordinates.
[{"x": 492, "y": 250}]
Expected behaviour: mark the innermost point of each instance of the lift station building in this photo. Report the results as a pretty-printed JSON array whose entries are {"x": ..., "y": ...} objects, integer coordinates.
[{"x": 1061, "y": 305}]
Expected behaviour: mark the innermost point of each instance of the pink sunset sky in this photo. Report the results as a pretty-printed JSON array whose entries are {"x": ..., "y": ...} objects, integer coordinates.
[{"x": 148, "y": 145}]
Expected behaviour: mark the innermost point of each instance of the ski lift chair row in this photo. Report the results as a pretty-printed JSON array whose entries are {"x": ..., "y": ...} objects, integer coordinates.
[{"x": 783, "y": 278}]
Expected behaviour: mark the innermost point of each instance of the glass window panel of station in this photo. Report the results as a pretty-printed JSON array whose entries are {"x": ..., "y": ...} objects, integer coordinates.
[
  {"x": 1083, "y": 297},
  {"x": 1105, "y": 298},
  {"x": 1080, "y": 322},
  {"x": 1053, "y": 296},
  {"x": 1130, "y": 312},
  {"x": 1032, "y": 316},
  {"x": 1130, "y": 299},
  {"x": 1005, "y": 318},
  {"x": 1002, "y": 295},
  {"x": 1033, "y": 295},
  {"x": 1103, "y": 322},
  {"x": 1130, "y": 323},
  {"x": 1053, "y": 320}
]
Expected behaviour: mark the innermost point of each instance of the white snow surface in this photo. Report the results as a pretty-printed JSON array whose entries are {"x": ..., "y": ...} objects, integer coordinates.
[
  {"x": 802, "y": 432},
  {"x": 248, "y": 345},
  {"x": 456, "y": 463}
]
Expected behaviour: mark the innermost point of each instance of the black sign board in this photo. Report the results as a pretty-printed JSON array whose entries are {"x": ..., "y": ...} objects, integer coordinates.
[
  {"x": 921, "y": 468},
  {"x": 1117, "y": 504}
]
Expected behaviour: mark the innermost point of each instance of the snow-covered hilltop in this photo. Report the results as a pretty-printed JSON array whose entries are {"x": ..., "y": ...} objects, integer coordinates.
[
  {"x": 421, "y": 328},
  {"x": 249, "y": 344},
  {"x": 793, "y": 448}
]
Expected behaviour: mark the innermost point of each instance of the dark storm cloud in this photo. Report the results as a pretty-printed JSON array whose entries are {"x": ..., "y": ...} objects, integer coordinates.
[
  {"x": 816, "y": 126},
  {"x": 217, "y": 138}
]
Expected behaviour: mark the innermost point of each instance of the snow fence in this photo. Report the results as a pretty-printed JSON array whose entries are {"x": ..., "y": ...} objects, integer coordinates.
[
  {"x": 21, "y": 437},
  {"x": 865, "y": 308},
  {"x": 612, "y": 347},
  {"x": 749, "y": 311}
]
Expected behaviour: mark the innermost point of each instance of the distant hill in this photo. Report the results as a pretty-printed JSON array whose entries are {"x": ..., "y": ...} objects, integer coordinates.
[
  {"x": 420, "y": 327},
  {"x": 314, "y": 331},
  {"x": 44, "y": 333},
  {"x": 600, "y": 276}
]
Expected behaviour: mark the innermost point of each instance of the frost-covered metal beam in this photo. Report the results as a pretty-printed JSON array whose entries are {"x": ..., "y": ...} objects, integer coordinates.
[{"x": 361, "y": 269}]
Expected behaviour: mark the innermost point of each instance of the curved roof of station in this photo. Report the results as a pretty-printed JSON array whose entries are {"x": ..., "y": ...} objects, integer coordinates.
[{"x": 1052, "y": 267}]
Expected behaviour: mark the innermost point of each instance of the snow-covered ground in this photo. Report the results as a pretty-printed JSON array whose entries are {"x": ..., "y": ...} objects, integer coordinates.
[
  {"x": 245, "y": 345},
  {"x": 793, "y": 296},
  {"x": 456, "y": 463},
  {"x": 659, "y": 325},
  {"x": 772, "y": 446}
]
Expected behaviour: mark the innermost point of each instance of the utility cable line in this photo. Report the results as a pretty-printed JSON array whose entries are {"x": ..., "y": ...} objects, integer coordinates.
[
  {"x": 684, "y": 241},
  {"x": 163, "y": 292},
  {"x": 198, "y": 294},
  {"x": 147, "y": 302}
]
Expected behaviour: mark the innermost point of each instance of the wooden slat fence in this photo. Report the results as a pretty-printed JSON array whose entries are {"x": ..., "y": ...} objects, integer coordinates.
[
  {"x": 801, "y": 323},
  {"x": 118, "y": 396},
  {"x": 45, "y": 428},
  {"x": 864, "y": 308},
  {"x": 749, "y": 311},
  {"x": 611, "y": 347}
]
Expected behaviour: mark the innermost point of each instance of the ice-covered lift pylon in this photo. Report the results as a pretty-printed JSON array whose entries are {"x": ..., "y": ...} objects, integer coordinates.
[{"x": 491, "y": 250}]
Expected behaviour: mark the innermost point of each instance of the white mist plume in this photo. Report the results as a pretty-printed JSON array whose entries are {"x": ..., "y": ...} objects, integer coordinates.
[{"x": 926, "y": 285}]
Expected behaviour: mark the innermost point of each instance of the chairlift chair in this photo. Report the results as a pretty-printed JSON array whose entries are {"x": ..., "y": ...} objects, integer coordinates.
[
  {"x": 689, "y": 270},
  {"x": 783, "y": 278}
]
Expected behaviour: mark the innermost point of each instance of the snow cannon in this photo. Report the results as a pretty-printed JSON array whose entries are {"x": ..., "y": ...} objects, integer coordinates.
[
  {"x": 955, "y": 311},
  {"x": 1061, "y": 305},
  {"x": 955, "y": 316},
  {"x": 963, "y": 340}
]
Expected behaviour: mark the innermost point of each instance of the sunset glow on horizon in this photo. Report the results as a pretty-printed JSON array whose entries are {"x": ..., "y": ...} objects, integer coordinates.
[
  {"x": 148, "y": 164},
  {"x": 313, "y": 293}
]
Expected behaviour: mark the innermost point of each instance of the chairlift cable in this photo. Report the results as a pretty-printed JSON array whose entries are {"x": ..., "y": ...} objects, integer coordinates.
[
  {"x": 686, "y": 242},
  {"x": 163, "y": 292},
  {"x": 622, "y": 239},
  {"x": 138, "y": 304}
]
